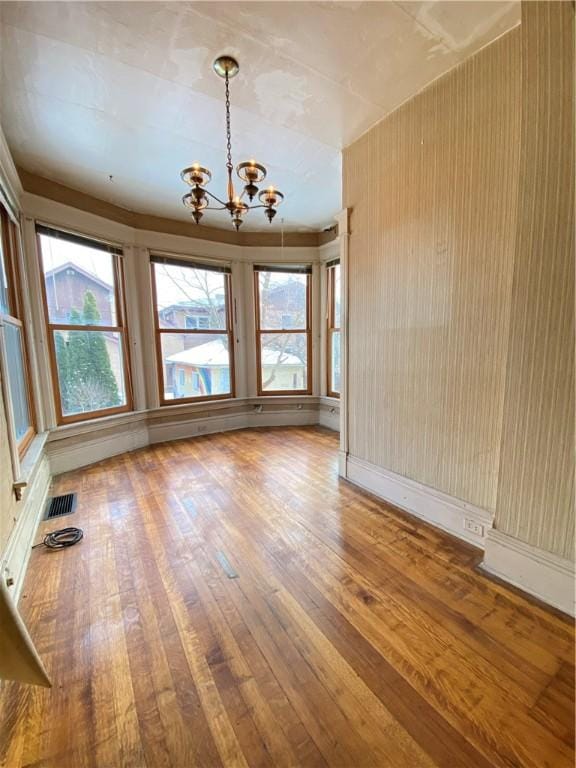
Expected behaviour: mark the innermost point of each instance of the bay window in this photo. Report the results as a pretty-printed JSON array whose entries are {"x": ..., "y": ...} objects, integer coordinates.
[
  {"x": 83, "y": 289},
  {"x": 283, "y": 331},
  {"x": 193, "y": 327}
]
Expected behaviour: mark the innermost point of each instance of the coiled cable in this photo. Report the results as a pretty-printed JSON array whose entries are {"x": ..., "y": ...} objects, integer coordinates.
[{"x": 65, "y": 537}]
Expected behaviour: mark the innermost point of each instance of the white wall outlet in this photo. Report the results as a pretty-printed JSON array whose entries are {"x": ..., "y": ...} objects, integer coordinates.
[{"x": 473, "y": 527}]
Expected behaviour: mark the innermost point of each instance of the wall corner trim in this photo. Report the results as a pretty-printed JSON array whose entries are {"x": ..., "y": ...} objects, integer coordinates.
[
  {"x": 542, "y": 574},
  {"x": 433, "y": 506},
  {"x": 342, "y": 463}
]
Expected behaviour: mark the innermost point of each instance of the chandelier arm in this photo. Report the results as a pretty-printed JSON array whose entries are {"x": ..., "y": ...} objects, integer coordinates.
[{"x": 214, "y": 197}]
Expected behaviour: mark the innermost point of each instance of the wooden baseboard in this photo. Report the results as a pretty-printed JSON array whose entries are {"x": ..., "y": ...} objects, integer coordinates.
[
  {"x": 79, "y": 446},
  {"x": 542, "y": 574},
  {"x": 433, "y": 506},
  {"x": 329, "y": 414},
  {"x": 82, "y": 450},
  {"x": 227, "y": 422}
]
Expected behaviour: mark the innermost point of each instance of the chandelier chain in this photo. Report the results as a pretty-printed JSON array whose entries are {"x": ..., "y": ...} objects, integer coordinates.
[{"x": 228, "y": 131}]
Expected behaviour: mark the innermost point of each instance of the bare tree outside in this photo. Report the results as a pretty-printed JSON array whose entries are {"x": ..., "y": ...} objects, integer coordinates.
[
  {"x": 199, "y": 286},
  {"x": 282, "y": 307}
]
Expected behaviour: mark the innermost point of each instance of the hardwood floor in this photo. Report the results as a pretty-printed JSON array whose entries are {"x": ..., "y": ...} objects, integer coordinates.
[{"x": 235, "y": 603}]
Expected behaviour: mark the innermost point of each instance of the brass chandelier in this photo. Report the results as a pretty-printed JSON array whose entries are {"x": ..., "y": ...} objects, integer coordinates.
[{"x": 250, "y": 172}]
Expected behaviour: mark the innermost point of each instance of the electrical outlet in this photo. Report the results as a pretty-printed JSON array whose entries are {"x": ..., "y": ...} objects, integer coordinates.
[{"x": 473, "y": 527}]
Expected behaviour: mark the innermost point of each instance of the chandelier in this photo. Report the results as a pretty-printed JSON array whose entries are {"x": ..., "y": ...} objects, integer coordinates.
[{"x": 199, "y": 199}]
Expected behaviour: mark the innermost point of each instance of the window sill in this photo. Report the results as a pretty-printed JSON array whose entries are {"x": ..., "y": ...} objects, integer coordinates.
[
  {"x": 95, "y": 425},
  {"x": 32, "y": 458}
]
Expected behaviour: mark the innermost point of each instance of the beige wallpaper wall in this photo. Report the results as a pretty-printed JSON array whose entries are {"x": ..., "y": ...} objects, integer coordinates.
[
  {"x": 536, "y": 490},
  {"x": 433, "y": 192},
  {"x": 461, "y": 299}
]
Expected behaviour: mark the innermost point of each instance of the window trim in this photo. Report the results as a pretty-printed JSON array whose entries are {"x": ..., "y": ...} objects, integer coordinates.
[
  {"x": 307, "y": 330},
  {"x": 121, "y": 328},
  {"x": 11, "y": 250},
  {"x": 331, "y": 328},
  {"x": 158, "y": 330}
]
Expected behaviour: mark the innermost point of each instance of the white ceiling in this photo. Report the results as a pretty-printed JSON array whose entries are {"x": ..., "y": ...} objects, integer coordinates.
[{"x": 127, "y": 89}]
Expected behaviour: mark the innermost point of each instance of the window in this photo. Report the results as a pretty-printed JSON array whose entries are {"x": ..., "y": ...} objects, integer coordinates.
[
  {"x": 84, "y": 309},
  {"x": 197, "y": 321},
  {"x": 193, "y": 330},
  {"x": 333, "y": 355},
  {"x": 283, "y": 334},
  {"x": 13, "y": 343}
]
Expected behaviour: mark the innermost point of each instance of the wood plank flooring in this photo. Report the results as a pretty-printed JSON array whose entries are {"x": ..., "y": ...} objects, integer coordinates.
[{"x": 234, "y": 603}]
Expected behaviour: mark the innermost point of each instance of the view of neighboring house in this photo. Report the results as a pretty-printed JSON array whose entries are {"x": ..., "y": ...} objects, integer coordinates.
[
  {"x": 196, "y": 314},
  {"x": 66, "y": 287},
  {"x": 204, "y": 370},
  {"x": 284, "y": 304},
  {"x": 197, "y": 365},
  {"x": 200, "y": 370}
]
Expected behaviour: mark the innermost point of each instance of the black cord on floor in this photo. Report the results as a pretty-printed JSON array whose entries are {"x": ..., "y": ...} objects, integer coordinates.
[{"x": 65, "y": 537}]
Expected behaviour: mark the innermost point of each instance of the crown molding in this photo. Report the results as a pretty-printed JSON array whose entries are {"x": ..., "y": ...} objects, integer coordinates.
[{"x": 53, "y": 190}]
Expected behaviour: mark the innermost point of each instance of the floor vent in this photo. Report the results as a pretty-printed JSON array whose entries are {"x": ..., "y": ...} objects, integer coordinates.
[{"x": 60, "y": 505}]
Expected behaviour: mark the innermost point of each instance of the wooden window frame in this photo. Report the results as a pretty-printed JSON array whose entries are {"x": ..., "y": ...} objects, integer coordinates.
[
  {"x": 331, "y": 327},
  {"x": 260, "y": 331},
  {"x": 121, "y": 327},
  {"x": 158, "y": 330},
  {"x": 11, "y": 242}
]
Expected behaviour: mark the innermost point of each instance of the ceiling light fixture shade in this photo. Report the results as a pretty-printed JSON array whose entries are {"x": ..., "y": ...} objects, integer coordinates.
[
  {"x": 251, "y": 172},
  {"x": 195, "y": 201},
  {"x": 270, "y": 196},
  {"x": 196, "y": 175}
]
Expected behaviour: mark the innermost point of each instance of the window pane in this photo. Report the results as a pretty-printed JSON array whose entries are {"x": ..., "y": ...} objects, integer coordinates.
[
  {"x": 283, "y": 359},
  {"x": 335, "y": 362},
  {"x": 282, "y": 300},
  {"x": 79, "y": 283},
  {"x": 4, "y": 308},
  {"x": 190, "y": 298},
  {"x": 336, "y": 295},
  {"x": 90, "y": 370},
  {"x": 18, "y": 392},
  {"x": 195, "y": 365}
]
